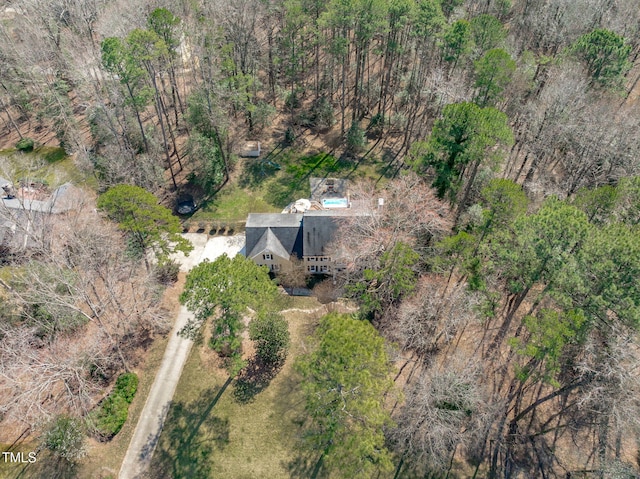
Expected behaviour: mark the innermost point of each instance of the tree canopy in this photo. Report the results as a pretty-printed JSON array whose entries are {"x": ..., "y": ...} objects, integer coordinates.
[
  {"x": 605, "y": 54},
  {"x": 509, "y": 259},
  {"x": 65, "y": 438},
  {"x": 393, "y": 279},
  {"x": 270, "y": 333},
  {"x": 457, "y": 41},
  {"x": 466, "y": 136},
  {"x": 222, "y": 290},
  {"x": 487, "y": 32},
  {"x": 148, "y": 224},
  {"x": 493, "y": 74},
  {"x": 345, "y": 380}
]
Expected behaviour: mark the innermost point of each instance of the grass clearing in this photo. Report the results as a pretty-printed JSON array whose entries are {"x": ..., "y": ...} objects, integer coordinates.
[
  {"x": 233, "y": 204},
  {"x": 51, "y": 165},
  {"x": 291, "y": 181},
  {"x": 9, "y": 272},
  {"x": 268, "y": 184},
  {"x": 214, "y": 430}
]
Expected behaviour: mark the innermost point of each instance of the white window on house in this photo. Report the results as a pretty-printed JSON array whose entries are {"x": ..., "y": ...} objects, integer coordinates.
[
  {"x": 275, "y": 267},
  {"x": 267, "y": 256},
  {"x": 325, "y": 258},
  {"x": 324, "y": 268},
  {"x": 312, "y": 268}
]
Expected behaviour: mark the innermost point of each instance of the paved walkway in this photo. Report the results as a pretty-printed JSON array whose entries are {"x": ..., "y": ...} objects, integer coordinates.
[{"x": 147, "y": 432}]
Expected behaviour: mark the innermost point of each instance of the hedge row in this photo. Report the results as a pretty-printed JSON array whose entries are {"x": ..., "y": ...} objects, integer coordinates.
[{"x": 111, "y": 414}]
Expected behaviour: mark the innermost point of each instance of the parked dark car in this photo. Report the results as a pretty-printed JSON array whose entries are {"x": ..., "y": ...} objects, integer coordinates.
[{"x": 185, "y": 205}]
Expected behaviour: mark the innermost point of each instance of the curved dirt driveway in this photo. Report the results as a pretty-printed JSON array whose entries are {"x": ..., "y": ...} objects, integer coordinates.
[{"x": 149, "y": 427}]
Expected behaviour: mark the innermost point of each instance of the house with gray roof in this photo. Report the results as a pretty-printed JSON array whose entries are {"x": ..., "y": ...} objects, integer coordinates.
[
  {"x": 25, "y": 213},
  {"x": 273, "y": 239},
  {"x": 304, "y": 230}
]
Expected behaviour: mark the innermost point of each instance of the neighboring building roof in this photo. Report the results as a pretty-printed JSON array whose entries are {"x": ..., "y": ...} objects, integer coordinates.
[
  {"x": 269, "y": 242},
  {"x": 7, "y": 230},
  {"x": 25, "y": 219},
  {"x": 37, "y": 206},
  {"x": 61, "y": 200},
  {"x": 251, "y": 149},
  {"x": 22, "y": 229},
  {"x": 64, "y": 198}
]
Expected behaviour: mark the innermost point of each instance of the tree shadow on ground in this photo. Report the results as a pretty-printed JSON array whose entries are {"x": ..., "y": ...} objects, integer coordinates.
[
  {"x": 256, "y": 172},
  {"x": 46, "y": 465},
  {"x": 307, "y": 465},
  {"x": 285, "y": 189},
  {"x": 289, "y": 180},
  {"x": 388, "y": 165},
  {"x": 254, "y": 379},
  {"x": 189, "y": 438}
]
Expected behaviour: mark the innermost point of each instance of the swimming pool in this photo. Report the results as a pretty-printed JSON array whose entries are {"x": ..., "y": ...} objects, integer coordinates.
[{"x": 335, "y": 203}]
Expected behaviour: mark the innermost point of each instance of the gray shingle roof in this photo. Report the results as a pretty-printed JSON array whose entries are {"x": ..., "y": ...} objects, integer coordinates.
[
  {"x": 317, "y": 232},
  {"x": 264, "y": 220},
  {"x": 23, "y": 222},
  {"x": 270, "y": 243},
  {"x": 61, "y": 200},
  {"x": 27, "y": 205},
  {"x": 22, "y": 228},
  {"x": 284, "y": 227}
]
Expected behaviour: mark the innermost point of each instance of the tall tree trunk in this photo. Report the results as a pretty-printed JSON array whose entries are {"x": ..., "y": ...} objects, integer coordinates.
[
  {"x": 139, "y": 120},
  {"x": 158, "y": 107},
  {"x": 13, "y": 123}
]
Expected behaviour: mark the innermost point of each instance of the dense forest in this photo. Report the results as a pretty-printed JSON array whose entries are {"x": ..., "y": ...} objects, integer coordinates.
[{"x": 497, "y": 289}]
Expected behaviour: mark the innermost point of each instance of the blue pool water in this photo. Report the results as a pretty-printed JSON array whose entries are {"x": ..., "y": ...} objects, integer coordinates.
[{"x": 335, "y": 203}]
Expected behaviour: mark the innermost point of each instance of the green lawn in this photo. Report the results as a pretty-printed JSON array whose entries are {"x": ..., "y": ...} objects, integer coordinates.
[
  {"x": 233, "y": 204},
  {"x": 291, "y": 181},
  {"x": 268, "y": 184},
  {"x": 219, "y": 428},
  {"x": 284, "y": 177}
]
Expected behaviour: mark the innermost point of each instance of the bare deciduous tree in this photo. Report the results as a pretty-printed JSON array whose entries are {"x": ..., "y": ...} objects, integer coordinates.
[
  {"x": 410, "y": 213},
  {"x": 446, "y": 408},
  {"x": 81, "y": 312},
  {"x": 431, "y": 317}
]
